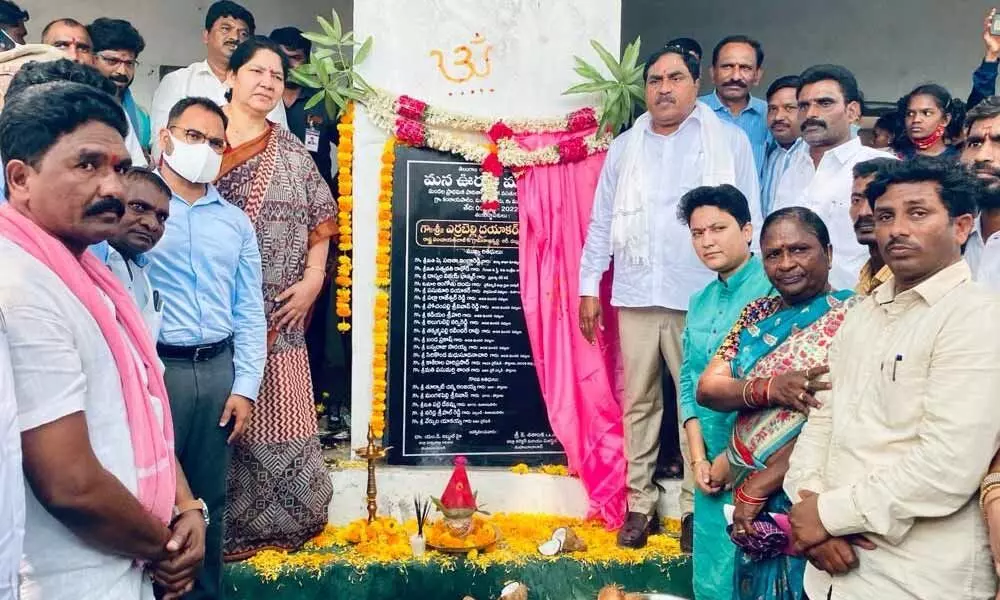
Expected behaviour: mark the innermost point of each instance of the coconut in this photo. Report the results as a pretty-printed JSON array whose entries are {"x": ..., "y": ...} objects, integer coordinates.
[
  {"x": 550, "y": 547},
  {"x": 611, "y": 592},
  {"x": 572, "y": 542},
  {"x": 635, "y": 596},
  {"x": 514, "y": 591}
]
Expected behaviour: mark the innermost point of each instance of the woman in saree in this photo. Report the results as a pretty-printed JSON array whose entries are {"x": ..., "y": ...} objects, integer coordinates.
[
  {"x": 768, "y": 369},
  {"x": 278, "y": 486}
]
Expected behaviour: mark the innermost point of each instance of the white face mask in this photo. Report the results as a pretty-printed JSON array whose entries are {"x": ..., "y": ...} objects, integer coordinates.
[{"x": 197, "y": 163}]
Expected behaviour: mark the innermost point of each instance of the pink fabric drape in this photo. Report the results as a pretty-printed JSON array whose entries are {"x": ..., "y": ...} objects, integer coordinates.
[{"x": 581, "y": 383}]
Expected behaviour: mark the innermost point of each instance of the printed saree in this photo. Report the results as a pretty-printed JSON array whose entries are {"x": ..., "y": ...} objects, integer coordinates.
[
  {"x": 769, "y": 340},
  {"x": 278, "y": 489}
]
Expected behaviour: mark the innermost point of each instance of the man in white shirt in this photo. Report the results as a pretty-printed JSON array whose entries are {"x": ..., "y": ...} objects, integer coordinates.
[
  {"x": 981, "y": 154},
  {"x": 678, "y": 145},
  {"x": 11, "y": 480},
  {"x": 147, "y": 208},
  {"x": 896, "y": 451},
  {"x": 95, "y": 436},
  {"x": 227, "y": 25},
  {"x": 820, "y": 175}
]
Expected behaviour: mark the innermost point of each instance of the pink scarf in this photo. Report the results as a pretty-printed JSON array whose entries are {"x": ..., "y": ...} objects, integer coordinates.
[{"x": 152, "y": 444}]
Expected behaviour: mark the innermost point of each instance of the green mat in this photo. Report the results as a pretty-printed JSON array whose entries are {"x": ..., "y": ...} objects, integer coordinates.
[{"x": 560, "y": 580}]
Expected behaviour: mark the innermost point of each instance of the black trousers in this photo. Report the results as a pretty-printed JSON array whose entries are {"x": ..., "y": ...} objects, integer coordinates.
[{"x": 198, "y": 392}]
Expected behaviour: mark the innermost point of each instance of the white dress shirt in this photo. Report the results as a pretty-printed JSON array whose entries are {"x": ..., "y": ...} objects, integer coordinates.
[
  {"x": 196, "y": 79},
  {"x": 62, "y": 365},
  {"x": 134, "y": 147},
  {"x": 11, "y": 479},
  {"x": 673, "y": 165},
  {"x": 898, "y": 448},
  {"x": 988, "y": 270},
  {"x": 827, "y": 192},
  {"x": 134, "y": 275}
]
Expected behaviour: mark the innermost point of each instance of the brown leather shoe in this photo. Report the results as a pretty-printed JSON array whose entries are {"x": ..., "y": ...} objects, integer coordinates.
[
  {"x": 687, "y": 533},
  {"x": 635, "y": 532}
]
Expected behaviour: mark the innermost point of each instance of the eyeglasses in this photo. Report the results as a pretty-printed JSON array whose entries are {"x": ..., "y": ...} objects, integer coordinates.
[
  {"x": 195, "y": 137},
  {"x": 114, "y": 62}
]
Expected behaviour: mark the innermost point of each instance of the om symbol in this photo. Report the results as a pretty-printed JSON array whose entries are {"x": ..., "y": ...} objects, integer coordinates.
[{"x": 467, "y": 67}]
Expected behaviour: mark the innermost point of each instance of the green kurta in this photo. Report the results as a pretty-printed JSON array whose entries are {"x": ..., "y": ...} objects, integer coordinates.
[{"x": 710, "y": 316}]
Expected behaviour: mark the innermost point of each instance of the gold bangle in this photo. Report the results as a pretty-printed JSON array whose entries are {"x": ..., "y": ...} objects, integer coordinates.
[
  {"x": 320, "y": 269},
  {"x": 985, "y": 491}
]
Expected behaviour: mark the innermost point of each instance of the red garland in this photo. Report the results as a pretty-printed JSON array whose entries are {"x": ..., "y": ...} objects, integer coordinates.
[
  {"x": 491, "y": 205},
  {"x": 411, "y": 108},
  {"x": 572, "y": 150},
  {"x": 581, "y": 120},
  {"x": 493, "y": 166},
  {"x": 499, "y": 131},
  {"x": 410, "y": 132}
]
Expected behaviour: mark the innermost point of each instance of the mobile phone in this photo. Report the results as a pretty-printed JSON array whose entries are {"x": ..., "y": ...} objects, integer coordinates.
[
  {"x": 995, "y": 25},
  {"x": 6, "y": 42}
]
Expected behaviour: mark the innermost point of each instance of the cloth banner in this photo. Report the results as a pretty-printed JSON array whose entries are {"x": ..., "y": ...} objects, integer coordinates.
[{"x": 581, "y": 383}]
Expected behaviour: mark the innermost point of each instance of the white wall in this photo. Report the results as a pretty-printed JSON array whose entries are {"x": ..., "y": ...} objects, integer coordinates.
[
  {"x": 173, "y": 28},
  {"x": 890, "y": 45}
]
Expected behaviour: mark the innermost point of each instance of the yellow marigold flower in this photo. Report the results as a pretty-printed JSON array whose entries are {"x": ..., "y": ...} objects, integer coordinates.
[
  {"x": 343, "y": 327},
  {"x": 343, "y": 281},
  {"x": 519, "y": 468},
  {"x": 380, "y": 397},
  {"x": 382, "y": 296},
  {"x": 343, "y": 311},
  {"x": 345, "y": 247}
]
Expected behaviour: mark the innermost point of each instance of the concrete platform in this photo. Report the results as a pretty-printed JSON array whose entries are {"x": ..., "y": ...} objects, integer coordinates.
[{"x": 499, "y": 491}]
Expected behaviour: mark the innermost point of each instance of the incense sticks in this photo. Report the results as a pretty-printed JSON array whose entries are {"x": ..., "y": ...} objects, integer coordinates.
[{"x": 421, "y": 508}]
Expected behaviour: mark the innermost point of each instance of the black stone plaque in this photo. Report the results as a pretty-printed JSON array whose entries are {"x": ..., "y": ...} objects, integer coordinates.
[{"x": 461, "y": 376}]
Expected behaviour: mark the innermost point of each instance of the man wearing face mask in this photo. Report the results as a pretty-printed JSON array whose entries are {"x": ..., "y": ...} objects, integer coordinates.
[
  {"x": 820, "y": 171},
  {"x": 227, "y": 25},
  {"x": 213, "y": 338}
]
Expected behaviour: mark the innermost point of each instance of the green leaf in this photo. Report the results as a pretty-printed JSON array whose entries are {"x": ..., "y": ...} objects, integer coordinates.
[
  {"x": 315, "y": 99},
  {"x": 609, "y": 60},
  {"x": 334, "y": 108},
  {"x": 359, "y": 81},
  {"x": 614, "y": 95},
  {"x": 322, "y": 53},
  {"x": 308, "y": 68},
  {"x": 338, "y": 30},
  {"x": 591, "y": 87},
  {"x": 301, "y": 78},
  {"x": 586, "y": 70},
  {"x": 363, "y": 51},
  {"x": 352, "y": 93},
  {"x": 348, "y": 39},
  {"x": 631, "y": 55},
  {"x": 637, "y": 92},
  {"x": 328, "y": 29},
  {"x": 323, "y": 72},
  {"x": 333, "y": 95},
  {"x": 323, "y": 40}
]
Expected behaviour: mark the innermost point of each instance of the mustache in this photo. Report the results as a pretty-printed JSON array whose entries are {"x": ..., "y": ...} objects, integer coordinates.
[
  {"x": 120, "y": 79},
  {"x": 781, "y": 122},
  {"x": 813, "y": 121},
  {"x": 864, "y": 221},
  {"x": 984, "y": 167},
  {"x": 665, "y": 98},
  {"x": 106, "y": 204},
  {"x": 735, "y": 83},
  {"x": 897, "y": 243}
]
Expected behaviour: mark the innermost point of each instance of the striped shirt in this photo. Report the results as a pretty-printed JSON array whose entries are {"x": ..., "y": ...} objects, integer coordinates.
[
  {"x": 752, "y": 120},
  {"x": 776, "y": 161}
]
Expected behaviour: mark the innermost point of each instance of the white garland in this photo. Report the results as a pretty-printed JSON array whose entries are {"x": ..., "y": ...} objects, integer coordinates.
[{"x": 385, "y": 100}]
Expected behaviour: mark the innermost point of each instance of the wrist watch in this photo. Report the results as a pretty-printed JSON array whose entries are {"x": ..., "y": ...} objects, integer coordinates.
[{"x": 197, "y": 504}]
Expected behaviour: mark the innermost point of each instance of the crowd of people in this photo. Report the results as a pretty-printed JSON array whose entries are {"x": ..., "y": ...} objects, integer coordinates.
[
  {"x": 826, "y": 309},
  {"x": 153, "y": 356},
  {"x": 829, "y": 313}
]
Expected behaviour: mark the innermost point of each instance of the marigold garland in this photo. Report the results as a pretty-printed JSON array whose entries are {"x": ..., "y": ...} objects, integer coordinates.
[
  {"x": 383, "y": 262},
  {"x": 386, "y": 541},
  {"x": 345, "y": 200}
]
